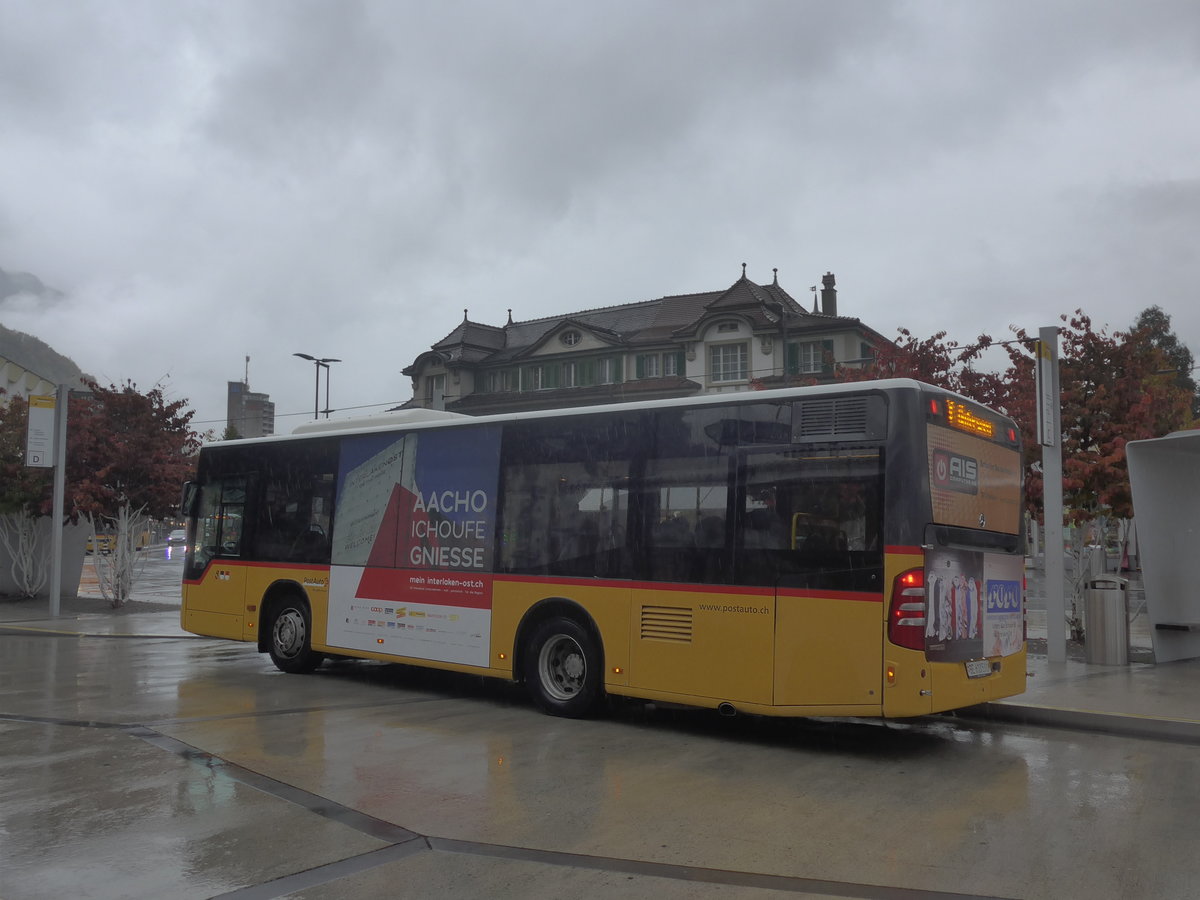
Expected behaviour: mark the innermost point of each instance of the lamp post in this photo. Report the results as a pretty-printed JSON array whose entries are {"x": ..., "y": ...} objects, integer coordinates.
[{"x": 320, "y": 363}]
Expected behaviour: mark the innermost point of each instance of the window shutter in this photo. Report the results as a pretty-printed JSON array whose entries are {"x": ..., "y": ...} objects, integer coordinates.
[
  {"x": 827, "y": 357},
  {"x": 640, "y": 367},
  {"x": 793, "y": 359},
  {"x": 680, "y": 364}
]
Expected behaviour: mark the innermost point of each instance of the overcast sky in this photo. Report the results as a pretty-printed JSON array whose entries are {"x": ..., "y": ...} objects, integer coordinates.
[{"x": 211, "y": 180}]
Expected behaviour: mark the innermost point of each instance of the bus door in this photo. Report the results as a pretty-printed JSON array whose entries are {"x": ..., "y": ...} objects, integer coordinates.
[
  {"x": 214, "y": 590},
  {"x": 695, "y": 629},
  {"x": 811, "y": 523}
]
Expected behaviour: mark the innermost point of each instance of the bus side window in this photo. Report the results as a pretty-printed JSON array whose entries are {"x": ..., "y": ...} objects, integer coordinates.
[
  {"x": 685, "y": 504},
  {"x": 711, "y": 561},
  {"x": 294, "y": 512},
  {"x": 563, "y": 520},
  {"x": 590, "y": 527},
  {"x": 564, "y": 497},
  {"x": 221, "y": 519},
  {"x": 813, "y": 520},
  {"x": 685, "y": 498},
  {"x": 765, "y": 530}
]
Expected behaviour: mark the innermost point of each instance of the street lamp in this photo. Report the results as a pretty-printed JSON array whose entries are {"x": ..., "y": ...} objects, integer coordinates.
[{"x": 322, "y": 363}]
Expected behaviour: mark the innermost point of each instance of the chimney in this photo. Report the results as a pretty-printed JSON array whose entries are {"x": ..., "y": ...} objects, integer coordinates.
[{"x": 828, "y": 295}]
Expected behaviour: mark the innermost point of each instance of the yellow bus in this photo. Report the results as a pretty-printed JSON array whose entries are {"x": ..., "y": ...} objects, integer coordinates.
[{"x": 841, "y": 550}]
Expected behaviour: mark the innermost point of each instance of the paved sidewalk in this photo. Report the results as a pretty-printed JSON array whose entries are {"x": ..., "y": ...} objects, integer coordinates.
[
  {"x": 1135, "y": 700},
  {"x": 84, "y": 621},
  {"x": 150, "y": 612},
  {"x": 1139, "y": 699}
]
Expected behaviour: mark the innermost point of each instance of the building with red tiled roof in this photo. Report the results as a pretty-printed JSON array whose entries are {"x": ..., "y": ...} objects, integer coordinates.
[{"x": 743, "y": 337}]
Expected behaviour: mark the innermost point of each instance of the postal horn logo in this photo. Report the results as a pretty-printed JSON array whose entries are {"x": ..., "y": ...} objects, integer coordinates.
[{"x": 955, "y": 472}]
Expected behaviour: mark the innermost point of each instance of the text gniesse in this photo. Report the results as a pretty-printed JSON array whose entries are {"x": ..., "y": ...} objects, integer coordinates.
[{"x": 472, "y": 532}]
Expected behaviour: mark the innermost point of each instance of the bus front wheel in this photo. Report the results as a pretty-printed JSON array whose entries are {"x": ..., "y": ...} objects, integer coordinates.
[
  {"x": 562, "y": 668},
  {"x": 290, "y": 637}
]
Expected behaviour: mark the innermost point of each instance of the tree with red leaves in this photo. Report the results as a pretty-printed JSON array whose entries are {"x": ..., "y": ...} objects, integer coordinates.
[
  {"x": 128, "y": 449},
  {"x": 931, "y": 360},
  {"x": 21, "y": 488},
  {"x": 129, "y": 454},
  {"x": 1115, "y": 388}
]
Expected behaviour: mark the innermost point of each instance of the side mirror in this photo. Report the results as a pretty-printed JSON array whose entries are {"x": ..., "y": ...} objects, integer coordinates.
[{"x": 189, "y": 500}]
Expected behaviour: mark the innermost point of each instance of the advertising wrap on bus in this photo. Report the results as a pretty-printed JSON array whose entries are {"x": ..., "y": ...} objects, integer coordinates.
[{"x": 415, "y": 520}]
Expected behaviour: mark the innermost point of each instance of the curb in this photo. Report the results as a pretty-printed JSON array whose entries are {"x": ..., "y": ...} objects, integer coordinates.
[
  {"x": 11, "y": 628},
  {"x": 1186, "y": 731}
]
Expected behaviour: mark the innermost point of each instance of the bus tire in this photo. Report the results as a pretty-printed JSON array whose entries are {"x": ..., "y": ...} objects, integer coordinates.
[
  {"x": 289, "y": 637},
  {"x": 561, "y": 668}
]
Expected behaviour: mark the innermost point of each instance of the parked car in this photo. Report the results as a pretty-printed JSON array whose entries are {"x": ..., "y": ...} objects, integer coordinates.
[{"x": 178, "y": 536}]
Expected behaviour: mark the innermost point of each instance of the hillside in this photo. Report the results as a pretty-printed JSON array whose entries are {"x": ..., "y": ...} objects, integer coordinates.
[{"x": 25, "y": 350}]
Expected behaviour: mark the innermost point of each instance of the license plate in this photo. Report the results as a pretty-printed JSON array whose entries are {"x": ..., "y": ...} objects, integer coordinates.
[{"x": 978, "y": 668}]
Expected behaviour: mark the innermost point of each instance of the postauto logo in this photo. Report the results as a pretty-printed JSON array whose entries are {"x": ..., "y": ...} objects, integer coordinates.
[{"x": 955, "y": 472}]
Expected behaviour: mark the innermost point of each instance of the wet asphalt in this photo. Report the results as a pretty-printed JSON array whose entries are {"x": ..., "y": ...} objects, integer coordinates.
[{"x": 138, "y": 761}]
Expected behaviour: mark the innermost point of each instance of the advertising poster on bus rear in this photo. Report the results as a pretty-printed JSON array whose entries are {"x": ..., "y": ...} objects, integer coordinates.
[
  {"x": 412, "y": 548},
  {"x": 973, "y": 604}
]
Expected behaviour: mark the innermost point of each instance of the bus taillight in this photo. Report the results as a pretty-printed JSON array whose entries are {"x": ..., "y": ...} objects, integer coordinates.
[{"x": 906, "y": 617}]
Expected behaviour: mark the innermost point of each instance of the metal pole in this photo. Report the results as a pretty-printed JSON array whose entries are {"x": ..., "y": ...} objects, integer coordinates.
[
  {"x": 323, "y": 361},
  {"x": 317, "y": 391},
  {"x": 1050, "y": 395},
  {"x": 62, "y": 397}
]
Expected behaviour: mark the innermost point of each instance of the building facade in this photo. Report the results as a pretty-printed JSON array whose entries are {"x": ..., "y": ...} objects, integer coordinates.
[
  {"x": 748, "y": 336},
  {"x": 249, "y": 414}
]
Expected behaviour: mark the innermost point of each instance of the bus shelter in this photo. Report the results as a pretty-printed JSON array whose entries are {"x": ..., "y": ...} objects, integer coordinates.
[{"x": 1164, "y": 474}]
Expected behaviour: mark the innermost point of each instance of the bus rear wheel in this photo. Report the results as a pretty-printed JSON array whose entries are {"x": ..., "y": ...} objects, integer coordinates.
[
  {"x": 561, "y": 666},
  {"x": 289, "y": 637}
]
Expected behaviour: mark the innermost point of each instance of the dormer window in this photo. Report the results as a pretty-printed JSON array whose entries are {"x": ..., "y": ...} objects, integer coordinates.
[
  {"x": 728, "y": 362},
  {"x": 570, "y": 338}
]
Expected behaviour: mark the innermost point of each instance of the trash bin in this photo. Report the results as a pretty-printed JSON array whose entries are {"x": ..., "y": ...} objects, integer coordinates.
[{"x": 1106, "y": 621}]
